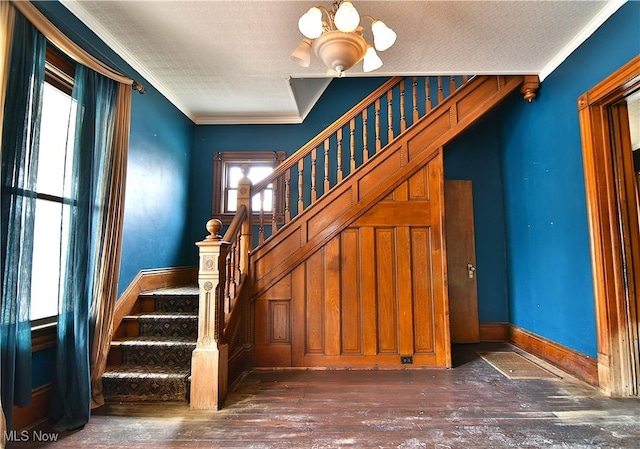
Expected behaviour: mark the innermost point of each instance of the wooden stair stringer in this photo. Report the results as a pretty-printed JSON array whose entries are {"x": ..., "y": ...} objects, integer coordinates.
[{"x": 376, "y": 179}]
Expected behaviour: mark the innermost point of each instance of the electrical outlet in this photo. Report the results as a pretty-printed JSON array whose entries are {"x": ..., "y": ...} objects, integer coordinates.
[{"x": 406, "y": 359}]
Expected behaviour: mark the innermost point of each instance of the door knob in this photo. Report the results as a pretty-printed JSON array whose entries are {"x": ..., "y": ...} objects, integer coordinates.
[{"x": 471, "y": 270}]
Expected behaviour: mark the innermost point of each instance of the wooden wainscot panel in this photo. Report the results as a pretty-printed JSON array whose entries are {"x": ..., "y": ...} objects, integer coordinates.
[
  {"x": 381, "y": 172},
  {"x": 332, "y": 300},
  {"x": 280, "y": 322},
  {"x": 351, "y": 303},
  {"x": 438, "y": 125},
  {"x": 387, "y": 300},
  {"x": 424, "y": 337},
  {"x": 476, "y": 97},
  {"x": 369, "y": 290},
  {"x": 315, "y": 318},
  {"x": 278, "y": 254},
  {"x": 419, "y": 186},
  {"x": 414, "y": 213},
  {"x": 324, "y": 220},
  {"x": 273, "y": 325}
]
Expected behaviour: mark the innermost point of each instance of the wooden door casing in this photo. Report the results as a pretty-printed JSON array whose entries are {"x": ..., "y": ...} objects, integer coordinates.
[{"x": 372, "y": 294}]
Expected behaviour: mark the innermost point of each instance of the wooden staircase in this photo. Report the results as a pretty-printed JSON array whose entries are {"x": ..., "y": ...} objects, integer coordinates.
[
  {"x": 358, "y": 278},
  {"x": 150, "y": 354}
]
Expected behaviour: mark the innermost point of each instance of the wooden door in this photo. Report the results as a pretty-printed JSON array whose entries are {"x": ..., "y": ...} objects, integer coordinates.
[
  {"x": 461, "y": 262},
  {"x": 375, "y": 294}
]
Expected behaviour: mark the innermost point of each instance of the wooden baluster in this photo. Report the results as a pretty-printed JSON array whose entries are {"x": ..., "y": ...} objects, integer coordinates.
[
  {"x": 427, "y": 88},
  {"x": 300, "y": 186},
  {"x": 377, "y": 107},
  {"x": 229, "y": 281},
  {"x": 238, "y": 258},
  {"x": 452, "y": 84},
  {"x": 314, "y": 190},
  {"x": 327, "y": 185},
  {"x": 416, "y": 114},
  {"x": 403, "y": 121},
  {"x": 440, "y": 91},
  {"x": 244, "y": 199},
  {"x": 261, "y": 218},
  {"x": 339, "y": 156},
  {"x": 274, "y": 207},
  {"x": 287, "y": 196},
  {"x": 352, "y": 146},
  {"x": 365, "y": 143},
  {"x": 465, "y": 78},
  {"x": 389, "y": 116}
]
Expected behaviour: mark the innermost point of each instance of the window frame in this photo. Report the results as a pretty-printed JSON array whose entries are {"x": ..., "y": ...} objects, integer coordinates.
[
  {"x": 59, "y": 73},
  {"x": 223, "y": 159}
]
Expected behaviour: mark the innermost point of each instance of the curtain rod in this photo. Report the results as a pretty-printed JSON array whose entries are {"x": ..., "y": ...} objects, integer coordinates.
[{"x": 70, "y": 48}]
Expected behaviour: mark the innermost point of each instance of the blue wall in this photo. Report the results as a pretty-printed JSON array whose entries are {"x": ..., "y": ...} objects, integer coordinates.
[
  {"x": 155, "y": 232},
  {"x": 550, "y": 284},
  {"x": 158, "y": 170},
  {"x": 476, "y": 156}
]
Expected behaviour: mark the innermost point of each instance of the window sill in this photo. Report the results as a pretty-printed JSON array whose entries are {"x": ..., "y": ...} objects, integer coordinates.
[{"x": 43, "y": 336}]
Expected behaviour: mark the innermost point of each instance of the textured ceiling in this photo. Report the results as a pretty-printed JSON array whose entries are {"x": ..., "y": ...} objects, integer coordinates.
[{"x": 228, "y": 61}]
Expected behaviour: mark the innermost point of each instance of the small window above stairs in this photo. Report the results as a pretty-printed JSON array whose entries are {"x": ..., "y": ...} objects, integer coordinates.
[{"x": 150, "y": 355}]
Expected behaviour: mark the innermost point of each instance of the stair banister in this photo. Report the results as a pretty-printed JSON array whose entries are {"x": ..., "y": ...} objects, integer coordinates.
[
  {"x": 348, "y": 143},
  {"x": 293, "y": 159}
]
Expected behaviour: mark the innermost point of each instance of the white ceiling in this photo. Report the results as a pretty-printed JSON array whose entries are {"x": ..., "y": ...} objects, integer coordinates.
[{"x": 228, "y": 61}]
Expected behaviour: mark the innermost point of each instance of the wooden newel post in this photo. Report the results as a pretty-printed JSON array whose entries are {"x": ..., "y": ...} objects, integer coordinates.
[{"x": 209, "y": 362}]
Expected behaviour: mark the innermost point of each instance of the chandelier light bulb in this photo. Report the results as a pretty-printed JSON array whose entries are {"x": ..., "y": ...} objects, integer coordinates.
[
  {"x": 310, "y": 24},
  {"x": 347, "y": 18},
  {"x": 371, "y": 60},
  {"x": 302, "y": 54},
  {"x": 383, "y": 36}
]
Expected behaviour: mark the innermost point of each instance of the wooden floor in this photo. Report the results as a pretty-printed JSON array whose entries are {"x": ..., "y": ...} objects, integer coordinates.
[{"x": 469, "y": 406}]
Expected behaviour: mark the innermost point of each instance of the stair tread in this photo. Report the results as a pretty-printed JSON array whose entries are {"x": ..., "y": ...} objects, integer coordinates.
[
  {"x": 162, "y": 315},
  {"x": 186, "y": 290},
  {"x": 146, "y": 371},
  {"x": 151, "y": 340}
]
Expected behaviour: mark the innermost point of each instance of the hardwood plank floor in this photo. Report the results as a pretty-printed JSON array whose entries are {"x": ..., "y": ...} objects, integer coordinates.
[{"x": 471, "y": 405}]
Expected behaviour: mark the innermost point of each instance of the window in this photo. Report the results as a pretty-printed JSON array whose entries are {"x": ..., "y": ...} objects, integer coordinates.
[
  {"x": 228, "y": 170},
  {"x": 53, "y": 186}
]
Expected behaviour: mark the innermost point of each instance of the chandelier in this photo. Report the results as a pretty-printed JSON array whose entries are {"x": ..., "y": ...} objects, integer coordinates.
[{"x": 336, "y": 38}]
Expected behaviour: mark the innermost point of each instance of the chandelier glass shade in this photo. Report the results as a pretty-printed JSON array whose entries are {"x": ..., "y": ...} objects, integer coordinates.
[{"x": 336, "y": 38}]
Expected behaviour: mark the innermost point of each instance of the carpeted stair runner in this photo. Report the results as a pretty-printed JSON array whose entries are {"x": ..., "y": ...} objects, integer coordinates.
[{"x": 150, "y": 356}]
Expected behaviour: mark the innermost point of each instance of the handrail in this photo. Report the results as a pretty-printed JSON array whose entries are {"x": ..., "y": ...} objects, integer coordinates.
[
  {"x": 236, "y": 223},
  {"x": 234, "y": 264}
]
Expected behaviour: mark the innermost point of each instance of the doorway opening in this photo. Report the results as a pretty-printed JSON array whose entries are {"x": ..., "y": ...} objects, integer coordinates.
[{"x": 610, "y": 123}]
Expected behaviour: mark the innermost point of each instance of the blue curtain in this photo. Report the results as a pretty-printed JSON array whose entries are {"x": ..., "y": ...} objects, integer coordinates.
[
  {"x": 20, "y": 141},
  {"x": 96, "y": 98}
]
